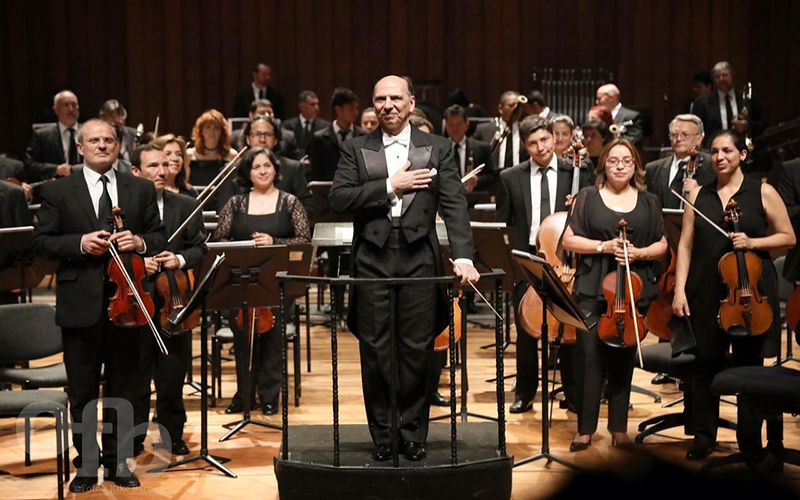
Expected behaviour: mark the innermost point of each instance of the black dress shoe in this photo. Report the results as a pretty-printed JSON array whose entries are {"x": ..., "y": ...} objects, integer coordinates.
[
  {"x": 439, "y": 400},
  {"x": 382, "y": 453},
  {"x": 179, "y": 447},
  {"x": 234, "y": 408},
  {"x": 521, "y": 405},
  {"x": 699, "y": 451},
  {"x": 414, "y": 451},
  {"x": 269, "y": 408},
  {"x": 82, "y": 484},
  {"x": 565, "y": 404},
  {"x": 122, "y": 476},
  {"x": 579, "y": 446},
  {"x": 661, "y": 378}
]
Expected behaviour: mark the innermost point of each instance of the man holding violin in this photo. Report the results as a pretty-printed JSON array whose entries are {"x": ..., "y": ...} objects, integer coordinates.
[
  {"x": 74, "y": 230},
  {"x": 527, "y": 194},
  {"x": 184, "y": 253}
]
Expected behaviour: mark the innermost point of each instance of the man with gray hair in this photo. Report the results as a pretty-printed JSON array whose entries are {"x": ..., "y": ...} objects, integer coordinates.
[
  {"x": 629, "y": 121},
  {"x": 307, "y": 122},
  {"x": 686, "y": 135},
  {"x": 723, "y": 109},
  {"x": 53, "y": 149}
]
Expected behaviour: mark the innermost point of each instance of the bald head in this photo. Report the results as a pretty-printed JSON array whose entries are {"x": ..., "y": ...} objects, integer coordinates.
[
  {"x": 393, "y": 101},
  {"x": 66, "y": 108},
  {"x": 607, "y": 96}
]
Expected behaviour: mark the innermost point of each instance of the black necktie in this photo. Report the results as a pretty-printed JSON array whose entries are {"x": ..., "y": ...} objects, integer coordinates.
[
  {"x": 73, "y": 149},
  {"x": 343, "y": 135},
  {"x": 729, "y": 110},
  {"x": 509, "y": 161},
  {"x": 262, "y": 94},
  {"x": 104, "y": 207},
  {"x": 677, "y": 182},
  {"x": 306, "y": 139},
  {"x": 544, "y": 207},
  {"x": 457, "y": 157}
]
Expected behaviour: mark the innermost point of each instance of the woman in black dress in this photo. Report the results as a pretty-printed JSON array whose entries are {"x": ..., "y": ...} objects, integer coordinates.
[
  {"x": 268, "y": 216},
  {"x": 212, "y": 147},
  {"x": 699, "y": 288},
  {"x": 592, "y": 233}
]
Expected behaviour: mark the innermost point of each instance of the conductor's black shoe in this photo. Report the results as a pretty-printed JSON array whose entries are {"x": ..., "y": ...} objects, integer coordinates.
[
  {"x": 414, "y": 451},
  {"x": 521, "y": 405},
  {"x": 234, "y": 408},
  {"x": 269, "y": 408},
  {"x": 122, "y": 476},
  {"x": 439, "y": 400},
  {"x": 179, "y": 447},
  {"x": 661, "y": 378},
  {"x": 83, "y": 484},
  {"x": 382, "y": 453},
  {"x": 699, "y": 451}
]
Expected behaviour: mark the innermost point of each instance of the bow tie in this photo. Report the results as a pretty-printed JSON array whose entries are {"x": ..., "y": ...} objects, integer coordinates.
[{"x": 388, "y": 140}]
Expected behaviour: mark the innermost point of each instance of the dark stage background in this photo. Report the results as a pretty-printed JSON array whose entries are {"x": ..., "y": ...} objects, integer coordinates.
[{"x": 178, "y": 58}]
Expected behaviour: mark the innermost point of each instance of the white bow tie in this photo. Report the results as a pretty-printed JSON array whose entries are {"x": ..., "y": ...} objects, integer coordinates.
[{"x": 388, "y": 140}]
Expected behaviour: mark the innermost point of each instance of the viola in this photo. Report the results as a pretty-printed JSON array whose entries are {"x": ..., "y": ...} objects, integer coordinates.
[
  {"x": 660, "y": 311},
  {"x": 264, "y": 320},
  {"x": 131, "y": 306},
  {"x": 622, "y": 325},
  {"x": 547, "y": 242},
  {"x": 173, "y": 286},
  {"x": 744, "y": 311},
  {"x": 442, "y": 341}
]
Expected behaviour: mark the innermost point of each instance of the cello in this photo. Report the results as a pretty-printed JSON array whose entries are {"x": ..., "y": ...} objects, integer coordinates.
[
  {"x": 622, "y": 325},
  {"x": 547, "y": 243},
  {"x": 744, "y": 311}
]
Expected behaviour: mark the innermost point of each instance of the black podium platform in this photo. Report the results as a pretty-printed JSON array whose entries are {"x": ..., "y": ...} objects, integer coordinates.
[{"x": 308, "y": 473}]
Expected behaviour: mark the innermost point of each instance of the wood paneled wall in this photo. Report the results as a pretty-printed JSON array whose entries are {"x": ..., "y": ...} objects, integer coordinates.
[{"x": 178, "y": 58}]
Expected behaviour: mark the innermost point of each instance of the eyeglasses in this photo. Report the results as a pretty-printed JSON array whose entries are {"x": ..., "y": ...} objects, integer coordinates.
[
  {"x": 681, "y": 135},
  {"x": 613, "y": 162},
  {"x": 262, "y": 135}
]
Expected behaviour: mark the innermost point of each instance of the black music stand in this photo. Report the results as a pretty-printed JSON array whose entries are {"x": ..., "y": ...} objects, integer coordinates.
[
  {"x": 246, "y": 280},
  {"x": 211, "y": 264},
  {"x": 558, "y": 300}
]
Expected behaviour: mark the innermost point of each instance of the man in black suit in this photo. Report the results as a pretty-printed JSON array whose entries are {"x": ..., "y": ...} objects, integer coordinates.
[
  {"x": 527, "y": 194},
  {"x": 469, "y": 153},
  {"x": 395, "y": 180},
  {"x": 74, "y": 230},
  {"x": 323, "y": 150},
  {"x": 287, "y": 145},
  {"x": 53, "y": 149},
  {"x": 723, "y": 109},
  {"x": 511, "y": 151},
  {"x": 629, "y": 121},
  {"x": 686, "y": 134},
  {"x": 184, "y": 253},
  {"x": 259, "y": 89},
  {"x": 789, "y": 189},
  {"x": 307, "y": 122},
  {"x": 113, "y": 112}
]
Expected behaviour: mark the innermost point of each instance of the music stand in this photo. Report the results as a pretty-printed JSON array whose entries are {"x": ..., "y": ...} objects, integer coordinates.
[
  {"x": 173, "y": 323},
  {"x": 558, "y": 300},
  {"x": 245, "y": 280}
]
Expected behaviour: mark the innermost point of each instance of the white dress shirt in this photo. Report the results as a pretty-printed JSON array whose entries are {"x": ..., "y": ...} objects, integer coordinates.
[
  {"x": 723, "y": 113},
  {"x": 673, "y": 169},
  {"x": 64, "y": 132},
  {"x": 337, "y": 128},
  {"x": 514, "y": 138},
  {"x": 536, "y": 193},
  {"x": 95, "y": 186},
  {"x": 396, "y": 150},
  {"x": 615, "y": 111}
]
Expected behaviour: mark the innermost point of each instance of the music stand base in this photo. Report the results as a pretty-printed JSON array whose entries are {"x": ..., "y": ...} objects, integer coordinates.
[
  {"x": 550, "y": 458},
  {"x": 241, "y": 424},
  {"x": 211, "y": 460}
]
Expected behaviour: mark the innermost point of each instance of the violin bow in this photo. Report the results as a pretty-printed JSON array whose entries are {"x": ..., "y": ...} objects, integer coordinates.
[
  {"x": 701, "y": 214},
  {"x": 472, "y": 173},
  {"x": 633, "y": 301},
  {"x": 455, "y": 266}
]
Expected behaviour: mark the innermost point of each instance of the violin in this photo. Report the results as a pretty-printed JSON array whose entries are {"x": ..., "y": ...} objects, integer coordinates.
[
  {"x": 660, "y": 311},
  {"x": 442, "y": 341},
  {"x": 264, "y": 320},
  {"x": 547, "y": 242},
  {"x": 173, "y": 286},
  {"x": 131, "y": 306},
  {"x": 622, "y": 325},
  {"x": 744, "y": 311}
]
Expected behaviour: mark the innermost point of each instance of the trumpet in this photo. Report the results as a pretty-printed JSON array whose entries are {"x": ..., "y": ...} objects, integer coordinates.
[
  {"x": 501, "y": 134},
  {"x": 618, "y": 130}
]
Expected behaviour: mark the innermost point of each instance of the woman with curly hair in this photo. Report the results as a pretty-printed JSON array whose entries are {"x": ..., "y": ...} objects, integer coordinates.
[{"x": 212, "y": 147}]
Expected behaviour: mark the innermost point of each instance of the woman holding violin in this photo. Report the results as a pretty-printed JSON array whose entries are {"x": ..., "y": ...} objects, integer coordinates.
[
  {"x": 268, "y": 216},
  {"x": 756, "y": 225},
  {"x": 592, "y": 232}
]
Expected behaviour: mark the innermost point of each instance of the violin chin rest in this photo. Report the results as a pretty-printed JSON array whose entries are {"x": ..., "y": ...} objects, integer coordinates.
[{"x": 737, "y": 331}]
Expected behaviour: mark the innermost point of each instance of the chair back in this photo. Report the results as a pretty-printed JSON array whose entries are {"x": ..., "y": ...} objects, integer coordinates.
[
  {"x": 28, "y": 332},
  {"x": 785, "y": 287}
]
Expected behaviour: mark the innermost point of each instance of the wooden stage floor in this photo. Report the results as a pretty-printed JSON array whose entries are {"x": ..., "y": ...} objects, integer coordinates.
[{"x": 252, "y": 450}]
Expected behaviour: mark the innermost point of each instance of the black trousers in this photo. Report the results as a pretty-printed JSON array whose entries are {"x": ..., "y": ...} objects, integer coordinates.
[
  {"x": 595, "y": 360},
  {"x": 527, "y": 351},
  {"x": 86, "y": 350},
  {"x": 415, "y": 315},
  {"x": 265, "y": 376}
]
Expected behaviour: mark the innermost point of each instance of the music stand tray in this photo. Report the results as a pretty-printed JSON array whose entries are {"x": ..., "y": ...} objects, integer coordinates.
[{"x": 560, "y": 302}]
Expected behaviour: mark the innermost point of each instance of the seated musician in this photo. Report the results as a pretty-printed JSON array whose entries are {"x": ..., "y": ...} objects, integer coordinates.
[
  {"x": 269, "y": 216},
  {"x": 212, "y": 147},
  {"x": 592, "y": 232},
  {"x": 74, "y": 230},
  {"x": 184, "y": 253},
  {"x": 177, "y": 180}
]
